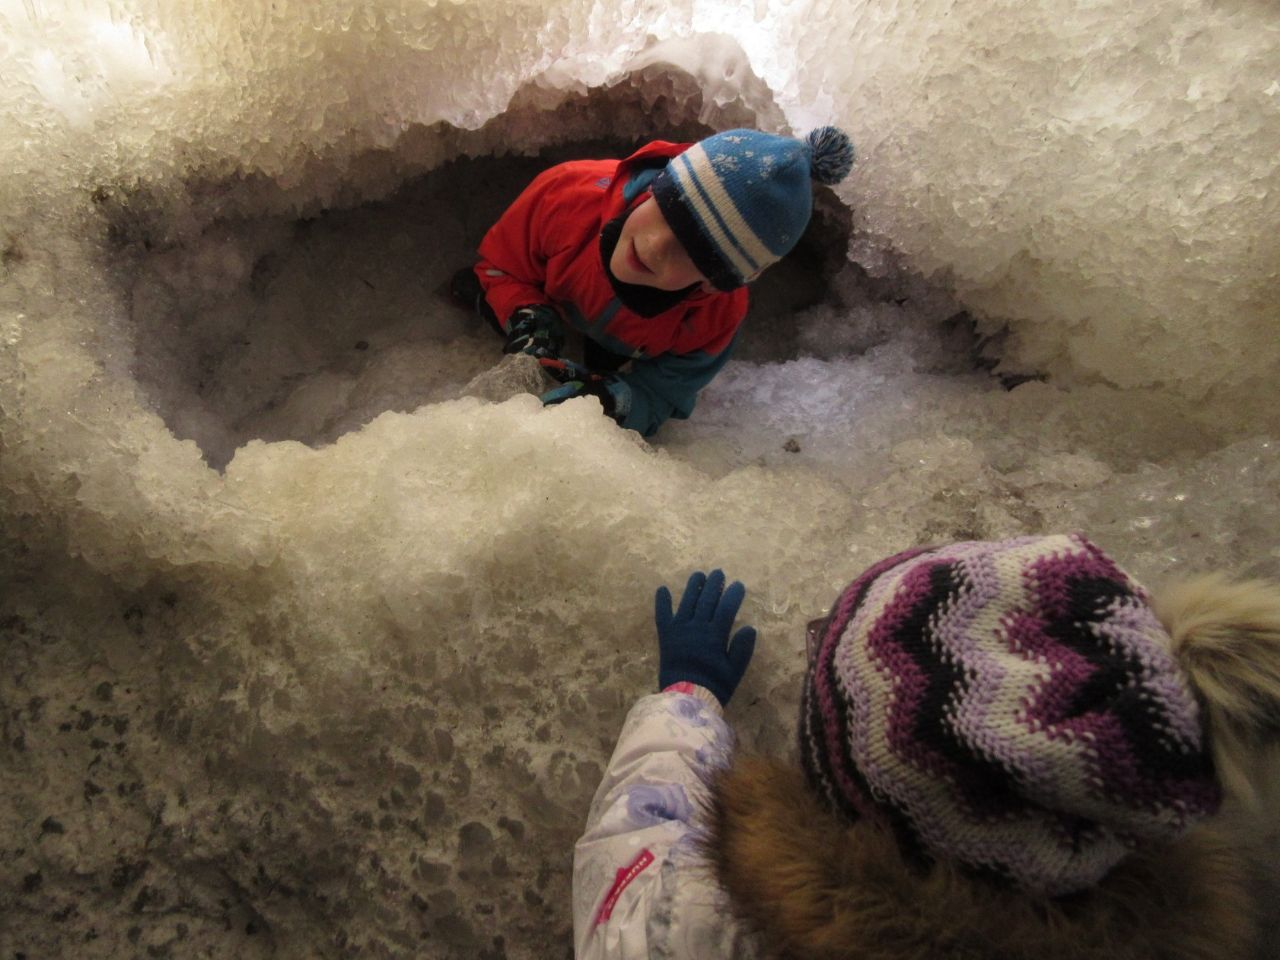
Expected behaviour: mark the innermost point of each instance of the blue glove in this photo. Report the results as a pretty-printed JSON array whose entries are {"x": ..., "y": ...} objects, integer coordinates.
[
  {"x": 694, "y": 644},
  {"x": 536, "y": 330},
  {"x": 577, "y": 381}
]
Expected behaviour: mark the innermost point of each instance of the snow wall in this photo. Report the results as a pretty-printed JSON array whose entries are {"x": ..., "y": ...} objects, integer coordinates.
[{"x": 316, "y": 646}]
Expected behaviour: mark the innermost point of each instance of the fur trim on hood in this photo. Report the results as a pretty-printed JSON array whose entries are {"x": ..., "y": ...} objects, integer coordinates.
[{"x": 817, "y": 888}]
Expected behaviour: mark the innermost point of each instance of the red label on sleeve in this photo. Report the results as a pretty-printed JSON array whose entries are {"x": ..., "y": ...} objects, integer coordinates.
[{"x": 620, "y": 882}]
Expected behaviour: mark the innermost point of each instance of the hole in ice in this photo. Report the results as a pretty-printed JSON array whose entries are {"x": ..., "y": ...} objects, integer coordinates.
[
  {"x": 276, "y": 327},
  {"x": 304, "y": 329}
]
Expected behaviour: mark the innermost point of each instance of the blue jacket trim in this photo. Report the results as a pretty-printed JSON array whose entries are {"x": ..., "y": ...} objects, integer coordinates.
[
  {"x": 595, "y": 329},
  {"x": 639, "y": 183},
  {"x": 668, "y": 385}
]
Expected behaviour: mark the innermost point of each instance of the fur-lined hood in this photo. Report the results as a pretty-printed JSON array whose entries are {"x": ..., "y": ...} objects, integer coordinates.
[{"x": 816, "y": 888}]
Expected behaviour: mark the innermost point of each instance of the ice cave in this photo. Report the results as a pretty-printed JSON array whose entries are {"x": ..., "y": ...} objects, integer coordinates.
[{"x": 318, "y": 629}]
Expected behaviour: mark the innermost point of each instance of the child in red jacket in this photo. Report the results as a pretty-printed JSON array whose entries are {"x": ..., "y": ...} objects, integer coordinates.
[{"x": 648, "y": 258}]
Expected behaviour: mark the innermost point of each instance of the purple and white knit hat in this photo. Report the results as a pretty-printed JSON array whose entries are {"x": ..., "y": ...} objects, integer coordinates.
[{"x": 1011, "y": 706}]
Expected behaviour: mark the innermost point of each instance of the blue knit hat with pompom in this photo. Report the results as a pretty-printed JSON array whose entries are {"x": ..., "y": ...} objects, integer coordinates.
[{"x": 740, "y": 200}]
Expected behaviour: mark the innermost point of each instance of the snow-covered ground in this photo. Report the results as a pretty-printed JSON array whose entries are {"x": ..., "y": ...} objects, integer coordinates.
[{"x": 311, "y": 648}]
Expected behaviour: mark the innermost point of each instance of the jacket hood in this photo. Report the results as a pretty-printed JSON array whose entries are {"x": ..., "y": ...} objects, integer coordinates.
[
  {"x": 653, "y": 152},
  {"x": 813, "y": 886},
  {"x": 634, "y": 175}
]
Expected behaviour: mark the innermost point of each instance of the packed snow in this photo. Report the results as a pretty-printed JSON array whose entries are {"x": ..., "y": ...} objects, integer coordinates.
[{"x": 317, "y": 629}]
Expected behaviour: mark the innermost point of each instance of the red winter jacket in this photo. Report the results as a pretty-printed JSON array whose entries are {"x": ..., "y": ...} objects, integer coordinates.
[{"x": 546, "y": 249}]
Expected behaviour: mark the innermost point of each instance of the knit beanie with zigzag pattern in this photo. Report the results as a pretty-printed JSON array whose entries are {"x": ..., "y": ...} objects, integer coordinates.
[{"x": 1012, "y": 707}]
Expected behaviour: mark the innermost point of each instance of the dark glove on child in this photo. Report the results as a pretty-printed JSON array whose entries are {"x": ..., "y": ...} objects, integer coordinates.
[
  {"x": 577, "y": 381},
  {"x": 536, "y": 330},
  {"x": 694, "y": 644}
]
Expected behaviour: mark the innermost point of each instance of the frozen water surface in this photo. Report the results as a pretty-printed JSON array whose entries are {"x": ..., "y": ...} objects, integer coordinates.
[{"x": 315, "y": 643}]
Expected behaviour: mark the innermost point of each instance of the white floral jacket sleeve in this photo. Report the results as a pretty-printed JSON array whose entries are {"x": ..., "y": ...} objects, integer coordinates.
[{"x": 640, "y": 889}]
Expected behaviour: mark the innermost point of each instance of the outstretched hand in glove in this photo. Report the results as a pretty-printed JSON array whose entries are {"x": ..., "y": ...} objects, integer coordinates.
[{"x": 694, "y": 643}]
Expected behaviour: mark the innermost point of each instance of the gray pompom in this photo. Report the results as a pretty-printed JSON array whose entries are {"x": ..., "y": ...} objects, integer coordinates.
[{"x": 832, "y": 155}]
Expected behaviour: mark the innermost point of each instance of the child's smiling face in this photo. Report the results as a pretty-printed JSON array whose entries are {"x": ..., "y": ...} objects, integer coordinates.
[{"x": 649, "y": 254}]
